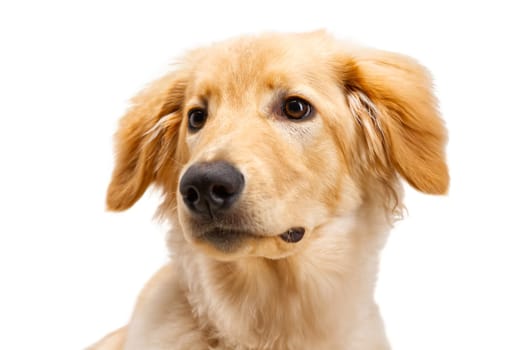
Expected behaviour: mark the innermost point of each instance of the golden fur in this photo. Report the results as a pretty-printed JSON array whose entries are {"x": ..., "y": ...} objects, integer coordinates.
[{"x": 336, "y": 174}]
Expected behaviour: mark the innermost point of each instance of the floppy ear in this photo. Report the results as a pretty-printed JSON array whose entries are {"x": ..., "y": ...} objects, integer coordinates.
[
  {"x": 402, "y": 119},
  {"x": 144, "y": 139}
]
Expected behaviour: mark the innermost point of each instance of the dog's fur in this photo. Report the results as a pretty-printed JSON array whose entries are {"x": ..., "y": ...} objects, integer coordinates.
[{"x": 336, "y": 174}]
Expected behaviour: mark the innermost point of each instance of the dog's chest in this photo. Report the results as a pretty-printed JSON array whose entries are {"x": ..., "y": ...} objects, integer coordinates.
[{"x": 279, "y": 325}]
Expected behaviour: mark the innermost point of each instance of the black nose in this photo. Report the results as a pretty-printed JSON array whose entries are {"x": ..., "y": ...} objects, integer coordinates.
[{"x": 211, "y": 187}]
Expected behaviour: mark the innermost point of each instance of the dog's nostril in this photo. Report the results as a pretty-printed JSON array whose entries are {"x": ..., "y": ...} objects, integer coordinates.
[
  {"x": 221, "y": 192},
  {"x": 192, "y": 195}
]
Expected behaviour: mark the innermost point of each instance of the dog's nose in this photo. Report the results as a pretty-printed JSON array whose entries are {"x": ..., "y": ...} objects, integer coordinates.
[{"x": 211, "y": 187}]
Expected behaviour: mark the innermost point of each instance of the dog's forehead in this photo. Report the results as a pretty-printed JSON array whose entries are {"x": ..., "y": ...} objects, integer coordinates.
[{"x": 273, "y": 61}]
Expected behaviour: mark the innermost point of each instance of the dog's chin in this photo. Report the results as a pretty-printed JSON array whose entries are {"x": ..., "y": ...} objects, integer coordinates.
[{"x": 228, "y": 244}]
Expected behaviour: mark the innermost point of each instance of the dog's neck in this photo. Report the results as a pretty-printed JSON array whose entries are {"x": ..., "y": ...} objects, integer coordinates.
[{"x": 324, "y": 292}]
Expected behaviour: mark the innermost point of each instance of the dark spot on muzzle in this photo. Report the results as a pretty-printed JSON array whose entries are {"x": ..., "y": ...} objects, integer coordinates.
[{"x": 293, "y": 235}]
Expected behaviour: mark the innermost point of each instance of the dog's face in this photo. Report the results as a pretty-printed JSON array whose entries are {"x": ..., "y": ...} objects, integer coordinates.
[{"x": 259, "y": 142}]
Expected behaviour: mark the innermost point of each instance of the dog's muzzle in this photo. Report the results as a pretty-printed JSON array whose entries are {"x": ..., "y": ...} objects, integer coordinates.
[{"x": 210, "y": 191}]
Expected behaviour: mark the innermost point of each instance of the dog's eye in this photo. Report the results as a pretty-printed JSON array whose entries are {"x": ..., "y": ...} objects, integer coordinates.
[
  {"x": 296, "y": 108},
  {"x": 197, "y": 118}
]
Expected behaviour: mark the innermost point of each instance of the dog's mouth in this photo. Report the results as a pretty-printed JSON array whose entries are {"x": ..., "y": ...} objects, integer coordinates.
[
  {"x": 225, "y": 239},
  {"x": 229, "y": 237},
  {"x": 235, "y": 241}
]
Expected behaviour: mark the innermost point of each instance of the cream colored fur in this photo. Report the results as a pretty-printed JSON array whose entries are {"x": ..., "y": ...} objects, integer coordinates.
[{"x": 336, "y": 174}]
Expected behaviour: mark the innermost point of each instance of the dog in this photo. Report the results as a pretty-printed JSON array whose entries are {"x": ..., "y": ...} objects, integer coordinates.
[{"x": 280, "y": 158}]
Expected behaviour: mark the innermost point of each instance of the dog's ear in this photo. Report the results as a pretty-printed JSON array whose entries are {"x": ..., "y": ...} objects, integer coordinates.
[
  {"x": 144, "y": 139},
  {"x": 399, "y": 113}
]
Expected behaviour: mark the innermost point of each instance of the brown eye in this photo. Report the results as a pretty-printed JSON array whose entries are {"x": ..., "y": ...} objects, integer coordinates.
[
  {"x": 197, "y": 118},
  {"x": 296, "y": 108}
]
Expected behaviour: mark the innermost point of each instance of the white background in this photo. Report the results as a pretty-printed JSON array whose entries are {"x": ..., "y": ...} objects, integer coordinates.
[{"x": 453, "y": 273}]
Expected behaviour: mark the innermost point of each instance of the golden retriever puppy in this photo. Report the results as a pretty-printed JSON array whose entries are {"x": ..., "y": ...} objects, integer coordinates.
[{"x": 280, "y": 158}]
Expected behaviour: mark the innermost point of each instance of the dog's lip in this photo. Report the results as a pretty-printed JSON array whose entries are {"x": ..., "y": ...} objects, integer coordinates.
[
  {"x": 226, "y": 243},
  {"x": 224, "y": 230},
  {"x": 224, "y": 237},
  {"x": 220, "y": 234},
  {"x": 291, "y": 235}
]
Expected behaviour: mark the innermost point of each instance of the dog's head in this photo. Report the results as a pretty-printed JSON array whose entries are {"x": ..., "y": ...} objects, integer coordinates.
[{"x": 259, "y": 142}]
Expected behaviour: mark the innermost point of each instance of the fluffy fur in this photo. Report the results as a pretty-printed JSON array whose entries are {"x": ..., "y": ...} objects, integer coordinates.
[{"x": 337, "y": 174}]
